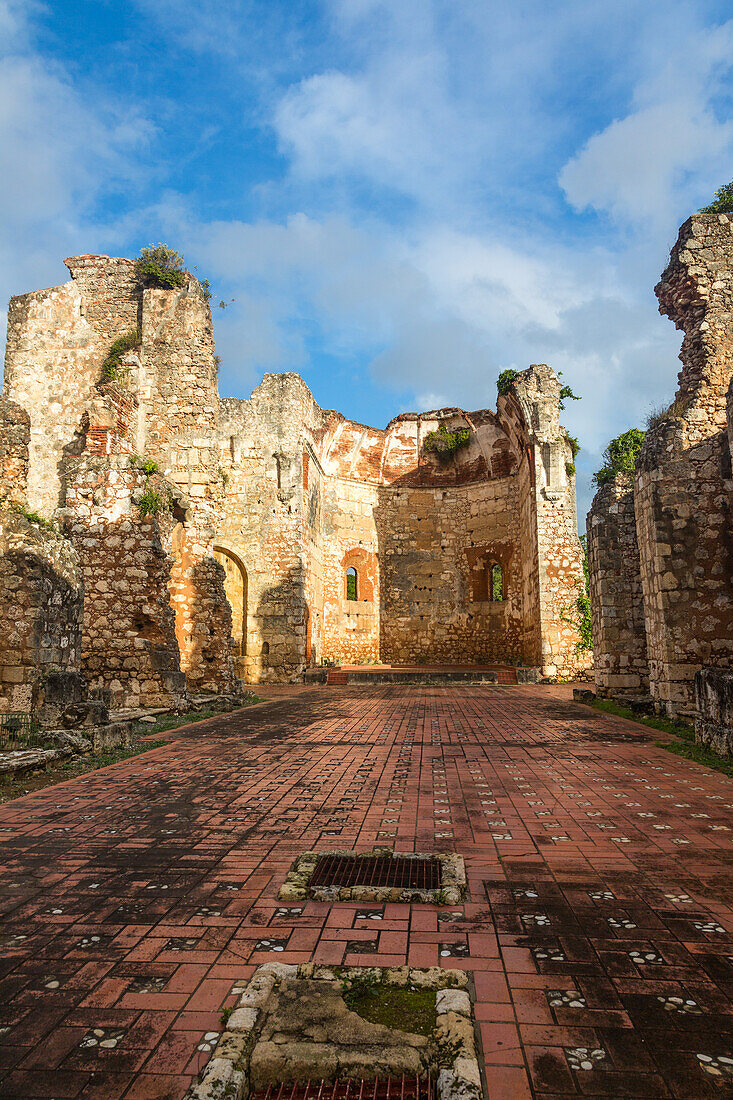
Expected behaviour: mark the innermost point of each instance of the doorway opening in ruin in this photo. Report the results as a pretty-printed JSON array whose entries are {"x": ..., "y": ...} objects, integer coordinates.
[{"x": 235, "y": 587}]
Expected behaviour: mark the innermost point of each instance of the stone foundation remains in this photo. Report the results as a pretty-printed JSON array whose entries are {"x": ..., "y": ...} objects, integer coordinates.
[
  {"x": 221, "y": 540},
  {"x": 679, "y": 541}
]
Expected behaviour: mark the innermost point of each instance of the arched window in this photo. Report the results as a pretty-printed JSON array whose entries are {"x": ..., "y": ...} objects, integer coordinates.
[
  {"x": 496, "y": 582},
  {"x": 352, "y": 590}
]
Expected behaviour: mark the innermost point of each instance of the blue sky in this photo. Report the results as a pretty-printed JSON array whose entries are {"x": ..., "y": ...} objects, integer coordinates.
[{"x": 396, "y": 198}]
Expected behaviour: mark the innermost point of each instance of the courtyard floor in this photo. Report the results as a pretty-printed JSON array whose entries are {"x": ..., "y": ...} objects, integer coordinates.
[{"x": 598, "y": 933}]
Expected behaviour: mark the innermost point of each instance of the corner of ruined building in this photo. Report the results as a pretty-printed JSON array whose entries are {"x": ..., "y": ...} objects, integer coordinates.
[
  {"x": 537, "y": 390},
  {"x": 698, "y": 274},
  {"x": 609, "y": 496}
]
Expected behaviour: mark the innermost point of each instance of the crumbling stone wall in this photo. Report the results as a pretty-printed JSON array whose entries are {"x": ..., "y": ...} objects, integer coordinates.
[
  {"x": 164, "y": 408},
  {"x": 41, "y": 599},
  {"x": 617, "y": 599},
  {"x": 130, "y": 653},
  {"x": 553, "y": 556},
  {"x": 57, "y": 340},
  {"x": 682, "y": 505}
]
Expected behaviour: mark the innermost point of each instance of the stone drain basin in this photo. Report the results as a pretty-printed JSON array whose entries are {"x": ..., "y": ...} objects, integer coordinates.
[{"x": 295, "y": 1024}]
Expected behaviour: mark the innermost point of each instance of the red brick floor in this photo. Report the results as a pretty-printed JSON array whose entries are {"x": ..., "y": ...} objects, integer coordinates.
[{"x": 599, "y": 932}]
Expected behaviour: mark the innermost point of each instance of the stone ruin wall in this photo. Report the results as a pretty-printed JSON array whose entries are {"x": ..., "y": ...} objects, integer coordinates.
[
  {"x": 57, "y": 342},
  {"x": 552, "y": 553},
  {"x": 682, "y": 498},
  {"x": 683, "y": 515},
  {"x": 617, "y": 599},
  {"x": 272, "y": 499},
  {"x": 309, "y": 493}
]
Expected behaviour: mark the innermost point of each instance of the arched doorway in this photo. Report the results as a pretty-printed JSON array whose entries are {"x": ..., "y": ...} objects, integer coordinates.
[{"x": 235, "y": 586}]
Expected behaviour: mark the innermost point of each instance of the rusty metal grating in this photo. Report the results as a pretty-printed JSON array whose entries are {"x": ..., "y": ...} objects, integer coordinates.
[
  {"x": 417, "y": 873},
  {"x": 382, "y": 1088}
]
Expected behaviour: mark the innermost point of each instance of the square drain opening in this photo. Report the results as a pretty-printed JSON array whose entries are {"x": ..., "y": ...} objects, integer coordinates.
[
  {"x": 381, "y": 1088},
  {"x": 380, "y": 875},
  {"x": 416, "y": 873}
]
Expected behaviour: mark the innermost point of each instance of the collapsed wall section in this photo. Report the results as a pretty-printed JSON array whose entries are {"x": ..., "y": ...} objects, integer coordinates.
[
  {"x": 682, "y": 504},
  {"x": 617, "y": 599}
]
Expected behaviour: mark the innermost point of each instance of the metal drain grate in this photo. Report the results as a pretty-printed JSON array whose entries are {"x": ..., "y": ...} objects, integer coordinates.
[
  {"x": 418, "y": 873},
  {"x": 383, "y": 1088}
]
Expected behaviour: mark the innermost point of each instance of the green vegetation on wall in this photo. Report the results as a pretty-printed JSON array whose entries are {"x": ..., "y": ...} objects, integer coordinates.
[
  {"x": 578, "y": 612},
  {"x": 445, "y": 443},
  {"x": 160, "y": 266},
  {"x": 504, "y": 381},
  {"x": 112, "y": 369},
  {"x": 723, "y": 201},
  {"x": 620, "y": 456}
]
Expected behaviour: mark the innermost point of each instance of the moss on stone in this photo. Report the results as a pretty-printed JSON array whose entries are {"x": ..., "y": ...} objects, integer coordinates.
[{"x": 404, "y": 1009}]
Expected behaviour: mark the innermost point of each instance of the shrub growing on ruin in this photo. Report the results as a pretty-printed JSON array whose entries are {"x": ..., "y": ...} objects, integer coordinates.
[
  {"x": 160, "y": 266},
  {"x": 112, "y": 368},
  {"x": 504, "y": 381},
  {"x": 566, "y": 394},
  {"x": 666, "y": 412},
  {"x": 445, "y": 443},
  {"x": 723, "y": 201},
  {"x": 152, "y": 503},
  {"x": 620, "y": 456}
]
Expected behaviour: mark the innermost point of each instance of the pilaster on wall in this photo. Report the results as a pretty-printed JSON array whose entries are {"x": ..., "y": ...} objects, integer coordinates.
[
  {"x": 617, "y": 601},
  {"x": 682, "y": 504},
  {"x": 559, "y": 555}
]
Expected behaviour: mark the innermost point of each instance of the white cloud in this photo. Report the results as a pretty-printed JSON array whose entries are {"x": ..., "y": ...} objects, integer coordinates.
[{"x": 671, "y": 147}]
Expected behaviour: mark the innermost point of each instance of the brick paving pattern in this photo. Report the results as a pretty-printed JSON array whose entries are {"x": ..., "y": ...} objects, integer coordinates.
[{"x": 598, "y": 931}]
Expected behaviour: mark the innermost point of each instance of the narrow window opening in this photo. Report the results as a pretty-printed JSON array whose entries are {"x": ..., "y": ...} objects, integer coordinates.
[
  {"x": 351, "y": 584},
  {"x": 496, "y": 583}
]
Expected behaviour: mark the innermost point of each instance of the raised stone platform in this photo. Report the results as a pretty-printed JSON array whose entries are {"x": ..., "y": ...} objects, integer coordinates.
[{"x": 420, "y": 674}]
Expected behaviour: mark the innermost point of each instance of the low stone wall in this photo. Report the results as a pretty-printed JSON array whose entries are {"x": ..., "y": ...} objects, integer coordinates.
[{"x": 714, "y": 698}]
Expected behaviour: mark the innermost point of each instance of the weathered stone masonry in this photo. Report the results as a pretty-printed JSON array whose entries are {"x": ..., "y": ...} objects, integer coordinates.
[
  {"x": 682, "y": 495},
  {"x": 269, "y": 502}
]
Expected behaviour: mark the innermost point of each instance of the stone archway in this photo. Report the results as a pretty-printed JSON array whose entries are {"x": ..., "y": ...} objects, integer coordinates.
[{"x": 235, "y": 586}]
